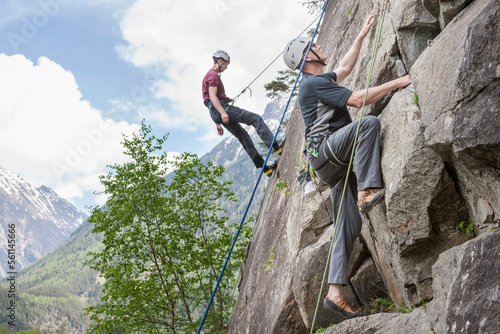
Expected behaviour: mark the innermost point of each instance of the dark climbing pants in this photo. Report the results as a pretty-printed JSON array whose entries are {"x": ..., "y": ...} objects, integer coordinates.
[
  {"x": 237, "y": 116},
  {"x": 331, "y": 168}
]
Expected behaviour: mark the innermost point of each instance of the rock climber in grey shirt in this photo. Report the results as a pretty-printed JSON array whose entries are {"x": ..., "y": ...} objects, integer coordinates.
[{"x": 330, "y": 134}]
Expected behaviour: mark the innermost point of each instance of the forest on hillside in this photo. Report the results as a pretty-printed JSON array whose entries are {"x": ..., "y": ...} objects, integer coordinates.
[{"x": 54, "y": 290}]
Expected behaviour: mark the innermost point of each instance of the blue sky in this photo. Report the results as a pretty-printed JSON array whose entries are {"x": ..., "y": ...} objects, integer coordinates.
[{"x": 76, "y": 74}]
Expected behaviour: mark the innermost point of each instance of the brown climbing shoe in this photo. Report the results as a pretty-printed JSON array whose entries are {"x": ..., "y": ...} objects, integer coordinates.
[
  {"x": 343, "y": 307},
  {"x": 371, "y": 198}
]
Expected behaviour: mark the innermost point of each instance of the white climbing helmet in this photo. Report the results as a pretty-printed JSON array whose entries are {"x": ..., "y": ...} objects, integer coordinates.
[
  {"x": 222, "y": 54},
  {"x": 294, "y": 50}
]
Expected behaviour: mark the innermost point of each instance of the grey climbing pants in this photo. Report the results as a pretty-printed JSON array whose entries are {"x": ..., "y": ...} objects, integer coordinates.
[
  {"x": 331, "y": 168},
  {"x": 237, "y": 116}
]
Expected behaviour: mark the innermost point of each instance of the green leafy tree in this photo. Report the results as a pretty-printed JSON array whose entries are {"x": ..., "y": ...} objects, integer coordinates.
[
  {"x": 164, "y": 244},
  {"x": 31, "y": 331},
  {"x": 4, "y": 329}
]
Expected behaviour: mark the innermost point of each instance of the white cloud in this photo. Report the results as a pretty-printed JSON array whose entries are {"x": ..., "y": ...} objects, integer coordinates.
[
  {"x": 182, "y": 36},
  {"x": 171, "y": 158},
  {"x": 48, "y": 133},
  {"x": 156, "y": 114},
  {"x": 212, "y": 135},
  {"x": 101, "y": 199}
]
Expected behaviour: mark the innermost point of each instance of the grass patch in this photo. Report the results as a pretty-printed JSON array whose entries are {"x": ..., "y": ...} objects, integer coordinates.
[
  {"x": 386, "y": 305},
  {"x": 321, "y": 329},
  {"x": 282, "y": 186},
  {"x": 414, "y": 98},
  {"x": 468, "y": 226}
]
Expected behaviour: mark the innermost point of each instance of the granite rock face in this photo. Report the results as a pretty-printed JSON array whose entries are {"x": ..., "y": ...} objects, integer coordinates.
[
  {"x": 466, "y": 296},
  {"x": 386, "y": 323},
  {"x": 440, "y": 142},
  {"x": 460, "y": 119},
  {"x": 467, "y": 287}
]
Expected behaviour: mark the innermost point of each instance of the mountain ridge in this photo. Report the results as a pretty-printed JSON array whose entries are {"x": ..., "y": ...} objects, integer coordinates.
[{"x": 43, "y": 220}]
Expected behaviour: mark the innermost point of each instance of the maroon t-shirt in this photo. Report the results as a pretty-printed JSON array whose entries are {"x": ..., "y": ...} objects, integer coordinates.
[{"x": 212, "y": 79}]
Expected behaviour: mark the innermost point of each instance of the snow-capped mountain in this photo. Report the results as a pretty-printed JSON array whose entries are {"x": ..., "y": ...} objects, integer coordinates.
[{"x": 43, "y": 220}]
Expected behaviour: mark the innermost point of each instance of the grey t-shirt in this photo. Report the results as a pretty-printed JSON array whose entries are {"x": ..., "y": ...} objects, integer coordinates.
[{"x": 323, "y": 104}]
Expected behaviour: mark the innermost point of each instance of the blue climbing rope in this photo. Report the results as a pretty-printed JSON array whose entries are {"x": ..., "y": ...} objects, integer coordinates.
[{"x": 258, "y": 179}]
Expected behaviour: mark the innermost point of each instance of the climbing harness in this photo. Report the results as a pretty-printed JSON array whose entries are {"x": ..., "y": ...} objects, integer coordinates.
[
  {"x": 259, "y": 177},
  {"x": 209, "y": 106},
  {"x": 367, "y": 85}
]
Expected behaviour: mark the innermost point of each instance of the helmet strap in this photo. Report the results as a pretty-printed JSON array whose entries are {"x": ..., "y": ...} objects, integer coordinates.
[
  {"x": 220, "y": 65},
  {"x": 319, "y": 59}
]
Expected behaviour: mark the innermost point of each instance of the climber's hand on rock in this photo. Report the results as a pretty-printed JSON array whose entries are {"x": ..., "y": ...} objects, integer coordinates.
[
  {"x": 370, "y": 20},
  {"x": 403, "y": 81}
]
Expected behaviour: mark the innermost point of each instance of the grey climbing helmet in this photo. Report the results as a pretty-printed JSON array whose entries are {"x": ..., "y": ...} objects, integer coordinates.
[
  {"x": 294, "y": 50},
  {"x": 222, "y": 54}
]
